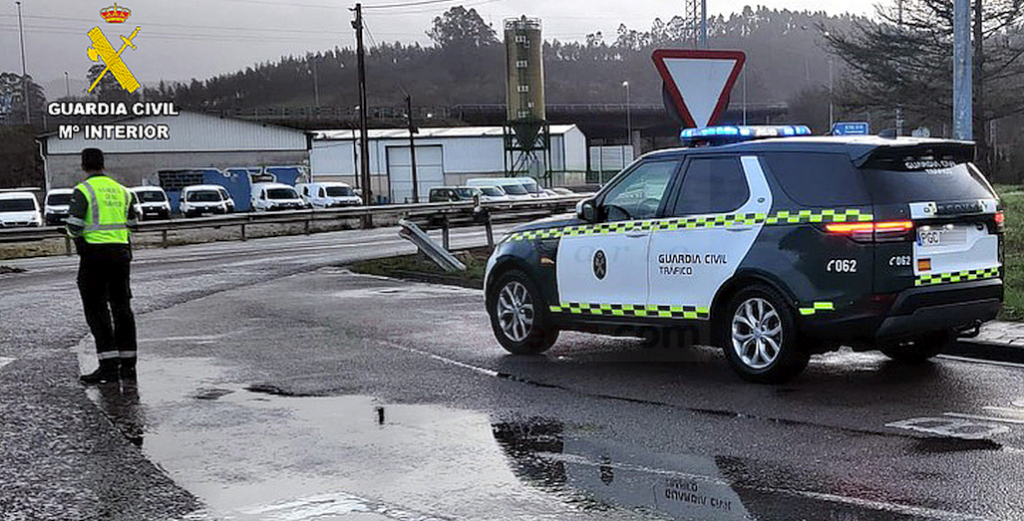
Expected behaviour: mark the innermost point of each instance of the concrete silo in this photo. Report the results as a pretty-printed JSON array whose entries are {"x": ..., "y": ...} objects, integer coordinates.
[{"x": 527, "y": 135}]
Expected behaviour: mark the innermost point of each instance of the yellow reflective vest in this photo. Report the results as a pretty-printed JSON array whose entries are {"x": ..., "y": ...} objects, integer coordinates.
[{"x": 106, "y": 221}]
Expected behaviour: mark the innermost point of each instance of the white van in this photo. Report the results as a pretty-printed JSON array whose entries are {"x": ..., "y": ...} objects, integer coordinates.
[
  {"x": 513, "y": 188},
  {"x": 57, "y": 206},
  {"x": 328, "y": 194},
  {"x": 199, "y": 199},
  {"x": 273, "y": 197},
  {"x": 151, "y": 203},
  {"x": 19, "y": 209}
]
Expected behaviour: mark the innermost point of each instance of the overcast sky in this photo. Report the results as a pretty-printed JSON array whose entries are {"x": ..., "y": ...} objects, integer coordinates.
[{"x": 183, "y": 39}]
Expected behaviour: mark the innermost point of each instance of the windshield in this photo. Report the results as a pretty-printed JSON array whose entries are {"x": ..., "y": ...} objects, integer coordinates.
[
  {"x": 339, "y": 191},
  {"x": 203, "y": 196},
  {"x": 281, "y": 193},
  {"x": 17, "y": 205},
  {"x": 514, "y": 189},
  {"x": 530, "y": 186},
  {"x": 58, "y": 199},
  {"x": 492, "y": 191},
  {"x": 151, "y": 196},
  {"x": 466, "y": 193}
]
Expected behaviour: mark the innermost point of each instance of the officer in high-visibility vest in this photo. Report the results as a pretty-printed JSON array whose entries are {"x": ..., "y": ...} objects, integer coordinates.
[{"x": 100, "y": 216}]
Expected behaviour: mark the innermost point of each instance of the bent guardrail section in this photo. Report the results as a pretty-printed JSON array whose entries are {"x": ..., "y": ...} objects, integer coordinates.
[{"x": 439, "y": 255}]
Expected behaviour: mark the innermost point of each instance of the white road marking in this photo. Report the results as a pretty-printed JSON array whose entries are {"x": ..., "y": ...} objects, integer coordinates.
[
  {"x": 952, "y": 426},
  {"x": 978, "y": 361},
  {"x": 5, "y": 361},
  {"x": 331, "y": 505},
  {"x": 984, "y": 418}
]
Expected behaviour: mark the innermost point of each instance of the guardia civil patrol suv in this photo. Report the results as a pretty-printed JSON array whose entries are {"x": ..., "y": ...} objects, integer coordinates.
[{"x": 772, "y": 249}]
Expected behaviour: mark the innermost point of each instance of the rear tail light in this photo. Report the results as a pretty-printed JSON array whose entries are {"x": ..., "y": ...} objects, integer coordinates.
[
  {"x": 1000, "y": 222},
  {"x": 884, "y": 231}
]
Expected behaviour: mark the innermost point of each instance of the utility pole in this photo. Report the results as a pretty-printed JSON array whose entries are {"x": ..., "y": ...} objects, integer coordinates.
[
  {"x": 704, "y": 24},
  {"x": 963, "y": 118},
  {"x": 629, "y": 122},
  {"x": 316, "y": 84},
  {"x": 67, "y": 85},
  {"x": 364, "y": 143},
  {"x": 412, "y": 150},
  {"x": 24, "y": 70},
  {"x": 899, "y": 105}
]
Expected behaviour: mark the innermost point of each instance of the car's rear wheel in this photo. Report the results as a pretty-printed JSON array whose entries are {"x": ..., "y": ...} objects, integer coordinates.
[
  {"x": 917, "y": 350},
  {"x": 760, "y": 337},
  {"x": 519, "y": 317}
]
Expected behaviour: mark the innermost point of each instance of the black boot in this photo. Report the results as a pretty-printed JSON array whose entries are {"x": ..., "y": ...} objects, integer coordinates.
[
  {"x": 128, "y": 371},
  {"x": 106, "y": 373}
]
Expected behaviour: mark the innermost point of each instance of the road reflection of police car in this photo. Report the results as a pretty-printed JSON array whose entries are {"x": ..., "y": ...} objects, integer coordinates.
[{"x": 771, "y": 244}]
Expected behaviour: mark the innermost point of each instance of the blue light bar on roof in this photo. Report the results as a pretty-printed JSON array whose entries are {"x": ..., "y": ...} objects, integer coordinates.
[{"x": 722, "y": 135}]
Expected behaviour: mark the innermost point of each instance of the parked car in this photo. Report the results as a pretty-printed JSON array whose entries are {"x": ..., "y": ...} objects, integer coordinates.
[
  {"x": 328, "y": 194},
  {"x": 748, "y": 247},
  {"x": 197, "y": 200},
  {"x": 19, "y": 209},
  {"x": 228, "y": 199},
  {"x": 274, "y": 197},
  {"x": 56, "y": 206},
  {"x": 492, "y": 194},
  {"x": 513, "y": 189},
  {"x": 151, "y": 203},
  {"x": 531, "y": 186}
]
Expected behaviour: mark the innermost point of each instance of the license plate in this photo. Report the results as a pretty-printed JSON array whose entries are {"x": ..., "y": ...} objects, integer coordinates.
[{"x": 941, "y": 236}]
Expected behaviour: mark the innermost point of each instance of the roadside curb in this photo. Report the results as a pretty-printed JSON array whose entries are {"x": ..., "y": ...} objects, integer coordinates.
[{"x": 984, "y": 350}]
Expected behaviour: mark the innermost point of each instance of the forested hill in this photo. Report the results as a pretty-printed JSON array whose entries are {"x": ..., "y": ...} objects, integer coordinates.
[{"x": 465, "y": 65}]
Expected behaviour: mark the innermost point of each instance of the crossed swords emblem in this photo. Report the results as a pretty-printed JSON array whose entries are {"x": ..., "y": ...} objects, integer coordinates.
[{"x": 102, "y": 50}]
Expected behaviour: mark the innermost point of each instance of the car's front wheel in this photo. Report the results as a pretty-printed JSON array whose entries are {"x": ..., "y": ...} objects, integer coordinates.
[
  {"x": 760, "y": 337},
  {"x": 519, "y": 318}
]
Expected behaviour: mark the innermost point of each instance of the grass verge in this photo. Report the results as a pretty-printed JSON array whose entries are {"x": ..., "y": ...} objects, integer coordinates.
[
  {"x": 1013, "y": 252},
  {"x": 420, "y": 268}
]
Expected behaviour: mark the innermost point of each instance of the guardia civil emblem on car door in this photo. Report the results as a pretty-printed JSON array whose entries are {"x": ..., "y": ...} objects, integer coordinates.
[{"x": 600, "y": 265}]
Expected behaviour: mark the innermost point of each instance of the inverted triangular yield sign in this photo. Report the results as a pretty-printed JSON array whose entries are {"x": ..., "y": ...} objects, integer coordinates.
[{"x": 699, "y": 81}]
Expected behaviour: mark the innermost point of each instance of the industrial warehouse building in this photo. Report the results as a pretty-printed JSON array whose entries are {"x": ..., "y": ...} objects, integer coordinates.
[
  {"x": 197, "y": 142},
  {"x": 444, "y": 156}
]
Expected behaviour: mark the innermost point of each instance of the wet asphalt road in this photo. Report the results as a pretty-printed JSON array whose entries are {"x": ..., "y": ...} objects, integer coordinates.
[
  {"x": 325, "y": 395},
  {"x": 60, "y": 458}
]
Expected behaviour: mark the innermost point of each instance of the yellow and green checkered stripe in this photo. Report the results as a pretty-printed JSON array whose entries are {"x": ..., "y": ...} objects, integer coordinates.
[
  {"x": 711, "y": 221},
  {"x": 817, "y": 307},
  {"x": 631, "y": 310},
  {"x": 930, "y": 279}
]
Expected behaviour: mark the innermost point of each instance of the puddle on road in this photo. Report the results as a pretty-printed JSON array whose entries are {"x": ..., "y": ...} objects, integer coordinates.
[{"x": 256, "y": 456}]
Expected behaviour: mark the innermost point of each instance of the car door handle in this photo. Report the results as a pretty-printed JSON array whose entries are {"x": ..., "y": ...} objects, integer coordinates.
[
  {"x": 739, "y": 228},
  {"x": 637, "y": 232}
]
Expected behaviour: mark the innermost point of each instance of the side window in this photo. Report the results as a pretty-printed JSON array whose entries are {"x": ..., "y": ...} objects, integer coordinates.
[
  {"x": 639, "y": 195},
  {"x": 263, "y": 195},
  {"x": 321, "y": 191},
  {"x": 818, "y": 179},
  {"x": 712, "y": 185}
]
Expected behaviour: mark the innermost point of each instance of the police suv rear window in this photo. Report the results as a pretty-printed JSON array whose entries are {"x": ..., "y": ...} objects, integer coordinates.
[
  {"x": 712, "y": 185},
  {"x": 907, "y": 179},
  {"x": 818, "y": 179}
]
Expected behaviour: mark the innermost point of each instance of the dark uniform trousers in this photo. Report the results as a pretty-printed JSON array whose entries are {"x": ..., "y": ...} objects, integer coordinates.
[{"x": 103, "y": 281}]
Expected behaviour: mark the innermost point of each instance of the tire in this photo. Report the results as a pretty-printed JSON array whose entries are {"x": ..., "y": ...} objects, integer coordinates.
[
  {"x": 918, "y": 350},
  {"x": 771, "y": 351},
  {"x": 516, "y": 293}
]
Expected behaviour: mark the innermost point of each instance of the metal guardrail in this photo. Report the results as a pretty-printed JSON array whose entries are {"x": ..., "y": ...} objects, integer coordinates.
[
  {"x": 431, "y": 215},
  {"x": 439, "y": 255}
]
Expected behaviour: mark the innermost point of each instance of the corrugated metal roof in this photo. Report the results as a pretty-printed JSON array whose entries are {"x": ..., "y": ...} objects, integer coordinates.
[{"x": 436, "y": 132}]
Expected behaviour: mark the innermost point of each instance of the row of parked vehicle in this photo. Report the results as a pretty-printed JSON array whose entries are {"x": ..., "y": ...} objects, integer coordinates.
[
  {"x": 495, "y": 189},
  {"x": 151, "y": 202}
]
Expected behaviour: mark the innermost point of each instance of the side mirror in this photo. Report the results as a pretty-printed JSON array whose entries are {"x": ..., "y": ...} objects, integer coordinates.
[{"x": 586, "y": 210}]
